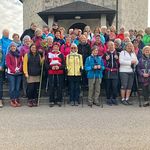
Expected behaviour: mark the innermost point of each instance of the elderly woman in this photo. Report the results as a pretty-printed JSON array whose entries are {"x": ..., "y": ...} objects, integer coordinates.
[
  {"x": 118, "y": 45},
  {"x": 128, "y": 61},
  {"x": 144, "y": 74},
  {"x": 74, "y": 64},
  {"x": 111, "y": 60}
]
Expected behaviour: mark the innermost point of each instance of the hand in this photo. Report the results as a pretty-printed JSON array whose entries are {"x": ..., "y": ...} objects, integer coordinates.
[
  {"x": 54, "y": 68},
  {"x": 133, "y": 62},
  {"x": 43, "y": 58},
  {"x": 95, "y": 67},
  {"x": 116, "y": 56},
  {"x": 98, "y": 67},
  {"x": 1, "y": 68},
  {"x": 107, "y": 57},
  {"x": 26, "y": 75},
  {"x": 145, "y": 75},
  {"x": 57, "y": 67}
]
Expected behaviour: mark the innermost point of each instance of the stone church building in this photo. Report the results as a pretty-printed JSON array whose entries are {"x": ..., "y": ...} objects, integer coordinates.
[{"x": 79, "y": 13}]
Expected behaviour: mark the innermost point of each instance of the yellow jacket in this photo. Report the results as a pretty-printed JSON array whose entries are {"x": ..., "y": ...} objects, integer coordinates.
[{"x": 74, "y": 63}]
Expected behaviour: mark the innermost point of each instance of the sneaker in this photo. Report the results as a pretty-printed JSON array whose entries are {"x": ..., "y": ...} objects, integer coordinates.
[
  {"x": 1, "y": 103},
  {"x": 114, "y": 101},
  {"x": 30, "y": 104},
  {"x": 17, "y": 101},
  {"x": 59, "y": 104},
  {"x": 51, "y": 104},
  {"x": 13, "y": 103},
  {"x": 35, "y": 103},
  {"x": 124, "y": 102},
  {"x": 76, "y": 103},
  {"x": 109, "y": 102},
  {"x": 129, "y": 102},
  {"x": 97, "y": 104},
  {"x": 90, "y": 104},
  {"x": 146, "y": 104},
  {"x": 72, "y": 103}
]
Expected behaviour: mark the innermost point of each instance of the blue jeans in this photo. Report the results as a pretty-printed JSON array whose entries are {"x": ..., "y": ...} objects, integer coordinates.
[
  {"x": 1, "y": 85},
  {"x": 14, "y": 86}
]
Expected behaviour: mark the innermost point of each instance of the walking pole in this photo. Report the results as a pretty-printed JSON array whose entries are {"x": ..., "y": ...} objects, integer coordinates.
[{"x": 39, "y": 94}]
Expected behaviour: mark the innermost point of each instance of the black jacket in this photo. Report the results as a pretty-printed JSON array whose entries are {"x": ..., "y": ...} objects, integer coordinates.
[{"x": 29, "y": 32}]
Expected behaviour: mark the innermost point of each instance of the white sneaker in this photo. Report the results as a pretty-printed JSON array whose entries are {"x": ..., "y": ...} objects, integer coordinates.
[{"x": 1, "y": 104}]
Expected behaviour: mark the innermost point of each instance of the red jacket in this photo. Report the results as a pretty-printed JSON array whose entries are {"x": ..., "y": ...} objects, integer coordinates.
[
  {"x": 65, "y": 49},
  {"x": 12, "y": 63},
  {"x": 56, "y": 59}
]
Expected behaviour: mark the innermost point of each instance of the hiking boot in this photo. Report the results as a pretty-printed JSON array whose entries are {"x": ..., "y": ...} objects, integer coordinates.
[
  {"x": 114, "y": 101},
  {"x": 1, "y": 103},
  {"x": 35, "y": 103},
  {"x": 13, "y": 103},
  {"x": 59, "y": 104},
  {"x": 96, "y": 103},
  {"x": 109, "y": 102},
  {"x": 146, "y": 104},
  {"x": 51, "y": 104},
  {"x": 30, "y": 104},
  {"x": 17, "y": 101}
]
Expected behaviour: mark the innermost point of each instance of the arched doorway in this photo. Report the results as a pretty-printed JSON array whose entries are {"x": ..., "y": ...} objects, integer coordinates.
[{"x": 78, "y": 26}]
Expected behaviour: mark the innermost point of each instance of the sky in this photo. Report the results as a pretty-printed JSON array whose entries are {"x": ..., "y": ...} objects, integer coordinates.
[{"x": 11, "y": 16}]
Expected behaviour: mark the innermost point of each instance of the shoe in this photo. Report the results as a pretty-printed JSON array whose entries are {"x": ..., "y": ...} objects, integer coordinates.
[
  {"x": 124, "y": 102},
  {"x": 51, "y": 104},
  {"x": 90, "y": 104},
  {"x": 30, "y": 104},
  {"x": 76, "y": 103},
  {"x": 17, "y": 101},
  {"x": 114, "y": 101},
  {"x": 146, "y": 104},
  {"x": 35, "y": 103},
  {"x": 129, "y": 102},
  {"x": 72, "y": 103},
  {"x": 97, "y": 104},
  {"x": 109, "y": 102},
  {"x": 59, "y": 104},
  {"x": 13, "y": 103},
  {"x": 1, "y": 103}
]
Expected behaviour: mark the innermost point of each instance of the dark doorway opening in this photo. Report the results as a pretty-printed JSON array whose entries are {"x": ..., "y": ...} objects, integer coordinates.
[{"x": 78, "y": 26}]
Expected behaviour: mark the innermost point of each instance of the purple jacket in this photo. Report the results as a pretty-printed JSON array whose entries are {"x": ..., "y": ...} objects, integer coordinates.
[
  {"x": 144, "y": 67},
  {"x": 24, "y": 50}
]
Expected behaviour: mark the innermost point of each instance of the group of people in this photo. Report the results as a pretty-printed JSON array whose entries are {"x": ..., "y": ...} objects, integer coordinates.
[{"x": 121, "y": 62}]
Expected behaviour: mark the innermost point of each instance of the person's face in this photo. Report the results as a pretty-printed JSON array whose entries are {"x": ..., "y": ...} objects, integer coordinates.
[
  {"x": 55, "y": 27},
  {"x": 83, "y": 39},
  {"x": 95, "y": 52},
  {"x": 16, "y": 38},
  {"x": 97, "y": 31},
  {"x": 62, "y": 31},
  {"x": 122, "y": 30},
  {"x": 39, "y": 33},
  {"x": 33, "y": 49},
  {"x": 70, "y": 31},
  {"x": 131, "y": 33},
  {"x": 147, "y": 51},
  {"x": 104, "y": 30},
  {"x": 126, "y": 40},
  {"x": 56, "y": 48},
  {"x": 73, "y": 36},
  {"x": 86, "y": 34},
  {"x": 87, "y": 29},
  {"x": 139, "y": 38},
  {"x": 57, "y": 35},
  {"x": 27, "y": 42},
  {"x": 33, "y": 27},
  {"x": 46, "y": 30},
  {"x": 97, "y": 39},
  {"x": 68, "y": 40},
  {"x": 129, "y": 47},
  {"x": 6, "y": 33},
  {"x": 50, "y": 41},
  {"x": 111, "y": 46},
  {"x": 135, "y": 44},
  {"x": 13, "y": 48},
  {"x": 73, "y": 49},
  {"x": 108, "y": 31}
]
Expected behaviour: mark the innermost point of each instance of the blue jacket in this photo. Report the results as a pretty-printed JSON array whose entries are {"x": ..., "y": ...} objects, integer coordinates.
[
  {"x": 5, "y": 42},
  {"x": 2, "y": 61},
  {"x": 90, "y": 62}
]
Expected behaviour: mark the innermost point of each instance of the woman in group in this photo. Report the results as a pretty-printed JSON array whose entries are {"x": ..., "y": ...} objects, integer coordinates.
[
  {"x": 32, "y": 69},
  {"x": 94, "y": 66},
  {"x": 74, "y": 64},
  {"x": 14, "y": 65},
  {"x": 128, "y": 61},
  {"x": 111, "y": 61},
  {"x": 144, "y": 74},
  {"x": 56, "y": 67}
]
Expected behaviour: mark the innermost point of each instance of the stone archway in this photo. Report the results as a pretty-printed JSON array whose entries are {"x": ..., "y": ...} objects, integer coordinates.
[{"x": 78, "y": 26}]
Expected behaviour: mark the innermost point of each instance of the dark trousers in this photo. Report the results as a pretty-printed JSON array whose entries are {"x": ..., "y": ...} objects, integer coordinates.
[
  {"x": 146, "y": 91},
  {"x": 32, "y": 90},
  {"x": 14, "y": 86},
  {"x": 74, "y": 84},
  {"x": 55, "y": 86},
  {"x": 1, "y": 85},
  {"x": 111, "y": 88}
]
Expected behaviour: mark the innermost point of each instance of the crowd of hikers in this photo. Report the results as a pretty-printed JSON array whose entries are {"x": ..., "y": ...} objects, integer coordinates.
[{"x": 119, "y": 61}]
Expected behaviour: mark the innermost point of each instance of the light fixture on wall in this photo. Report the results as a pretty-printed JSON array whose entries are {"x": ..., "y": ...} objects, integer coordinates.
[{"x": 77, "y": 17}]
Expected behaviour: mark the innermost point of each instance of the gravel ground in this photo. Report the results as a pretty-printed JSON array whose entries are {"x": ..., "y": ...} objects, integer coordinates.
[{"x": 75, "y": 128}]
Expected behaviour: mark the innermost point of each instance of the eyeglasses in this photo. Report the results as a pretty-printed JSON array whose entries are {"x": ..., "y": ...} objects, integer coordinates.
[{"x": 73, "y": 48}]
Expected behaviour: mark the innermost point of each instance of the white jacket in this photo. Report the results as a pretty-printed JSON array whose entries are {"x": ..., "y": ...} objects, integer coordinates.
[{"x": 125, "y": 61}]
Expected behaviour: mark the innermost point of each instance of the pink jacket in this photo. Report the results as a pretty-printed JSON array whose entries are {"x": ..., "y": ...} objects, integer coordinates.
[{"x": 65, "y": 49}]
